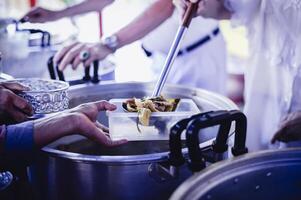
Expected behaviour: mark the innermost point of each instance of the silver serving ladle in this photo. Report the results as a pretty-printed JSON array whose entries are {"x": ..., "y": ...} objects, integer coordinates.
[{"x": 174, "y": 50}]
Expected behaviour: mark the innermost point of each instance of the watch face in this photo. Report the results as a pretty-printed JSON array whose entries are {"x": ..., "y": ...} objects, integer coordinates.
[{"x": 111, "y": 41}]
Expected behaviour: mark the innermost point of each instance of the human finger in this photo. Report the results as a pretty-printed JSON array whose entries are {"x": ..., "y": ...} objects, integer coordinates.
[
  {"x": 101, "y": 137},
  {"x": 76, "y": 62},
  {"x": 22, "y": 104},
  {"x": 88, "y": 62},
  {"x": 105, "y": 105},
  {"x": 181, "y": 6},
  {"x": 32, "y": 13},
  {"x": 102, "y": 127},
  {"x": 73, "y": 53},
  {"x": 287, "y": 134},
  {"x": 16, "y": 114},
  {"x": 14, "y": 86},
  {"x": 60, "y": 54},
  {"x": 68, "y": 59},
  {"x": 278, "y": 135}
]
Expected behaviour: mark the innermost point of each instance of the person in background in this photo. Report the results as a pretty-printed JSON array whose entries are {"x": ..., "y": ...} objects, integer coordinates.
[
  {"x": 200, "y": 63},
  {"x": 24, "y": 138},
  {"x": 273, "y": 78}
]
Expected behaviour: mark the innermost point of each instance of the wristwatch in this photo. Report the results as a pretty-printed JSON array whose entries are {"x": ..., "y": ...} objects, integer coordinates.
[{"x": 111, "y": 42}]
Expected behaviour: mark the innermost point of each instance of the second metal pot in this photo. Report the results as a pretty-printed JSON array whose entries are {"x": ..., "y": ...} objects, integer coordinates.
[{"x": 273, "y": 174}]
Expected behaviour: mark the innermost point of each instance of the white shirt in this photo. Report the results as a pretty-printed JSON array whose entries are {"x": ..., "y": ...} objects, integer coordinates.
[
  {"x": 162, "y": 37},
  {"x": 204, "y": 67},
  {"x": 272, "y": 89}
]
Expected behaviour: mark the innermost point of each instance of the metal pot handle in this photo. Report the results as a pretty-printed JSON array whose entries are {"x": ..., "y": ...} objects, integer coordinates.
[
  {"x": 55, "y": 73},
  {"x": 197, "y": 160},
  {"x": 46, "y": 36},
  {"x": 176, "y": 157},
  {"x": 162, "y": 173}
]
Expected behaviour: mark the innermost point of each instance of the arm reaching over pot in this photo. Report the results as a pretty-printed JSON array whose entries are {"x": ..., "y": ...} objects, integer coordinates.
[
  {"x": 81, "y": 120},
  {"x": 25, "y": 137},
  {"x": 290, "y": 129}
]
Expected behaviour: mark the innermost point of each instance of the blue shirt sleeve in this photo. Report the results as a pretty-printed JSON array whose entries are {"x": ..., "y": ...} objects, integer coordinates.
[{"x": 19, "y": 138}]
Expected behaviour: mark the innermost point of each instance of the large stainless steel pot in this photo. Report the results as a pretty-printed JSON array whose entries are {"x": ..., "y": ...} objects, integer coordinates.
[
  {"x": 74, "y": 168},
  {"x": 265, "y": 175}
]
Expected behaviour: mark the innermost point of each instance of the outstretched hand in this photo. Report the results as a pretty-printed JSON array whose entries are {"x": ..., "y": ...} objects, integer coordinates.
[{"x": 80, "y": 120}]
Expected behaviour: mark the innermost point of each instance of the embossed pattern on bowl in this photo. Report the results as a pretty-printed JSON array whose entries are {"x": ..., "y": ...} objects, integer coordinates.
[{"x": 46, "y": 96}]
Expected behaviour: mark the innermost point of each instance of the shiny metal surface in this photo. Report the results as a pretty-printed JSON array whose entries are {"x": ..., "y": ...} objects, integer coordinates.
[
  {"x": 172, "y": 54},
  {"x": 120, "y": 173},
  {"x": 264, "y": 175},
  {"x": 34, "y": 65}
]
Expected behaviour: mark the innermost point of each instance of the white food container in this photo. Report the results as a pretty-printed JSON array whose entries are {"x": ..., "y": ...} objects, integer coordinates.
[{"x": 123, "y": 124}]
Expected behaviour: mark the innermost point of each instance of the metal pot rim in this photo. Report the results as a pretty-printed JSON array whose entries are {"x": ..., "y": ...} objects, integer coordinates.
[
  {"x": 207, "y": 95},
  {"x": 219, "y": 101},
  {"x": 109, "y": 160},
  {"x": 65, "y": 85}
]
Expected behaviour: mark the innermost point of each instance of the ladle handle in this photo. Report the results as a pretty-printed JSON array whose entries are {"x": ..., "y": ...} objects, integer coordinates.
[{"x": 189, "y": 14}]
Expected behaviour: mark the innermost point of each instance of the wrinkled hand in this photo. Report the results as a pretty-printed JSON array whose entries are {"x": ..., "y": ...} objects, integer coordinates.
[
  {"x": 40, "y": 15},
  {"x": 206, "y": 8},
  {"x": 12, "y": 107},
  {"x": 290, "y": 129},
  {"x": 71, "y": 54},
  {"x": 80, "y": 120}
]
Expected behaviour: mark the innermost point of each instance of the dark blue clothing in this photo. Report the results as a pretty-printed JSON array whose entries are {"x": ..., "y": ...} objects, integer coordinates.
[{"x": 19, "y": 137}]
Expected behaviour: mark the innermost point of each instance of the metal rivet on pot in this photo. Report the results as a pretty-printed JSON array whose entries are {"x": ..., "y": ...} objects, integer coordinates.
[
  {"x": 208, "y": 196},
  {"x": 257, "y": 187},
  {"x": 269, "y": 174},
  {"x": 235, "y": 181}
]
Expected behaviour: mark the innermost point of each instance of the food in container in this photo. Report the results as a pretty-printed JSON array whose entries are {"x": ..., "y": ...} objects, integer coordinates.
[
  {"x": 45, "y": 96},
  {"x": 145, "y": 106},
  {"x": 123, "y": 124}
]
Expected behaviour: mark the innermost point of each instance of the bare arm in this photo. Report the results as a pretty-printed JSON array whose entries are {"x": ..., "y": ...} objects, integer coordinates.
[
  {"x": 41, "y": 15},
  {"x": 84, "y": 7},
  {"x": 138, "y": 28},
  {"x": 150, "y": 19}
]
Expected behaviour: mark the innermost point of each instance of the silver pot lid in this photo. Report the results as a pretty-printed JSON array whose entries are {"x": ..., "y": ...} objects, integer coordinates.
[{"x": 273, "y": 174}]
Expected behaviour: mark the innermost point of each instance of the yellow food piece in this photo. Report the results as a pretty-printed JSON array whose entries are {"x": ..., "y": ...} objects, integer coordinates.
[
  {"x": 139, "y": 104},
  {"x": 147, "y": 105},
  {"x": 144, "y": 115}
]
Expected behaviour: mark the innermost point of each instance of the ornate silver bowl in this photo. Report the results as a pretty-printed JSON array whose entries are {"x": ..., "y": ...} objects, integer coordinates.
[{"x": 45, "y": 96}]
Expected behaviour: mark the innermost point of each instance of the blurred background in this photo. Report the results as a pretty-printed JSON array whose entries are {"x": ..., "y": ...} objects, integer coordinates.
[{"x": 131, "y": 63}]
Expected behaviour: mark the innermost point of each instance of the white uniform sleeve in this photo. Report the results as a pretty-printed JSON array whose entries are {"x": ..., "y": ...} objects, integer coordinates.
[
  {"x": 243, "y": 10},
  {"x": 288, "y": 13}
]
